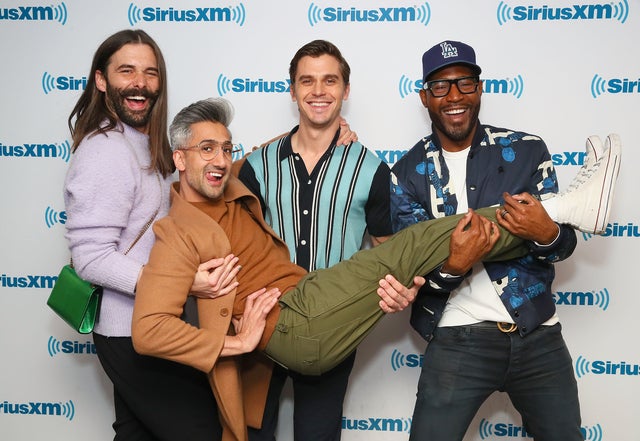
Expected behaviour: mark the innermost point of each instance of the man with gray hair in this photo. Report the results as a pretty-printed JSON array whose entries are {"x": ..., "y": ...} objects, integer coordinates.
[{"x": 307, "y": 322}]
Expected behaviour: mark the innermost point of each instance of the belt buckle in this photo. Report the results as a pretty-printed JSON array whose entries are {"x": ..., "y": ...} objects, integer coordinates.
[{"x": 507, "y": 328}]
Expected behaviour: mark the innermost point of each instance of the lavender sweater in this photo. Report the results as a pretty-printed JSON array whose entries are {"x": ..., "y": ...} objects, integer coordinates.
[{"x": 110, "y": 194}]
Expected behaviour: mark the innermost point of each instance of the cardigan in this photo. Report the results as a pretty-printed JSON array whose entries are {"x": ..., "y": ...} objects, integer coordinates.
[{"x": 110, "y": 193}]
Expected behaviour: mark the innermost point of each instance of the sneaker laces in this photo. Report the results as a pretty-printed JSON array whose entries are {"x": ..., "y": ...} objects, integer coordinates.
[{"x": 584, "y": 174}]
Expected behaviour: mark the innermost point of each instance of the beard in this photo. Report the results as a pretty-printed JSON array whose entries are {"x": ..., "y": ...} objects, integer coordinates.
[
  {"x": 134, "y": 118},
  {"x": 457, "y": 133},
  {"x": 198, "y": 182}
]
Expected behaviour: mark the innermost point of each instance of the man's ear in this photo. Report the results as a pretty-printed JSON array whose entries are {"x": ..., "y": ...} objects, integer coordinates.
[
  {"x": 101, "y": 81},
  {"x": 423, "y": 97},
  {"x": 179, "y": 160},
  {"x": 347, "y": 89}
]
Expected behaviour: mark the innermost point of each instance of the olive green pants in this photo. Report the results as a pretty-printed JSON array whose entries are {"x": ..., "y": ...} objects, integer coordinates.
[{"x": 332, "y": 310}]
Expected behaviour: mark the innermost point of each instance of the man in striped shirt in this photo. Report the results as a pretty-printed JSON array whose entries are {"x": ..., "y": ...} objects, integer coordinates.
[{"x": 320, "y": 198}]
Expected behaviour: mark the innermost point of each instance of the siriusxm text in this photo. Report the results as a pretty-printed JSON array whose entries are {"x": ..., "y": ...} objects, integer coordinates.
[
  {"x": 241, "y": 85},
  {"x": 27, "y": 13},
  {"x": 76, "y": 347},
  {"x": 31, "y": 408},
  {"x": 29, "y": 150},
  {"x": 371, "y": 15},
  {"x": 623, "y": 85},
  {"x": 570, "y": 298},
  {"x": 514, "y": 431},
  {"x": 575, "y": 12},
  {"x": 618, "y": 230},
  {"x": 568, "y": 158},
  {"x": 29, "y": 281},
  {"x": 601, "y": 367},
  {"x": 376, "y": 424},
  {"x": 187, "y": 15}
]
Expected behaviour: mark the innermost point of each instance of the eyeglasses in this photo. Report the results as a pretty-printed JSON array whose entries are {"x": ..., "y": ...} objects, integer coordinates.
[
  {"x": 440, "y": 88},
  {"x": 210, "y": 148}
]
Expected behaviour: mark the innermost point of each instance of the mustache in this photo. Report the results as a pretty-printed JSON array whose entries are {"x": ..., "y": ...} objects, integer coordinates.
[
  {"x": 215, "y": 169},
  {"x": 133, "y": 91}
]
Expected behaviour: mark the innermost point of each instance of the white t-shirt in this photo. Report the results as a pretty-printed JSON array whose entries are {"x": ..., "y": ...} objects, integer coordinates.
[{"x": 476, "y": 299}]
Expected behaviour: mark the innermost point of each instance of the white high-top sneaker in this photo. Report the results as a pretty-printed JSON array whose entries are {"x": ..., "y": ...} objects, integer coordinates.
[
  {"x": 586, "y": 204},
  {"x": 594, "y": 150}
]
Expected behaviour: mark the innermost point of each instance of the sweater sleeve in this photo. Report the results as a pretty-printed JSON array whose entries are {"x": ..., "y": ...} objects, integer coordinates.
[{"x": 99, "y": 195}]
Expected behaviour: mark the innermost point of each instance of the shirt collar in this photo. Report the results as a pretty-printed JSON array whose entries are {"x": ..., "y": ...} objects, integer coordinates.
[{"x": 287, "y": 150}]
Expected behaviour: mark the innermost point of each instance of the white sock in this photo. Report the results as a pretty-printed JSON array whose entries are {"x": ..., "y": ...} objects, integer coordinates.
[{"x": 551, "y": 205}]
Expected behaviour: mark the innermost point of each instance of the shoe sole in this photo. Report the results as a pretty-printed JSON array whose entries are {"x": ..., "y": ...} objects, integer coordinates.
[{"x": 611, "y": 162}]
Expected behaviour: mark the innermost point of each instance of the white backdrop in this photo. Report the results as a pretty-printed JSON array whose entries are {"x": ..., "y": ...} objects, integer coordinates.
[{"x": 559, "y": 69}]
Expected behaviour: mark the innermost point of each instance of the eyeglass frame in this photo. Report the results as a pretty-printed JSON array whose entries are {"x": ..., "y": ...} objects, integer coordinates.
[
  {"x": 218, "y": 146},
  {"x": 428, "y": 84}
]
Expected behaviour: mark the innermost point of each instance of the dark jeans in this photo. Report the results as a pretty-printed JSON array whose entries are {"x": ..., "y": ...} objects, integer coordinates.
[
  {"x": 157, "y": 399},
  {"x": 463, "y": 365},
  {"x": 317, "y": 404}
]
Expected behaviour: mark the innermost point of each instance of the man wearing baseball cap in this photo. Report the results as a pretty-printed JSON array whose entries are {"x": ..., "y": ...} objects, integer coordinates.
[{"x": 491, "y": 326}]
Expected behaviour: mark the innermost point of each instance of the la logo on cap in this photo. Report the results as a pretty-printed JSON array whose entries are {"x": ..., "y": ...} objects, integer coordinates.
[{"x": 448, "y": 50}]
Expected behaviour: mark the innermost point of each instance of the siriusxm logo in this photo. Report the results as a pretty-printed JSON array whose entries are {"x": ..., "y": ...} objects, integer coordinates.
[
  {"x": 400, "y": 360},
  {"x": 377, "y": 424},
  {"x": 55, "y": 347},
  {"x": 247, "y": 85},
  {"x": 617, "y": 230},
  {"x": 61, "y": 150},
  {"x": 568, "y": 158},
  {"x": 390, "y": 156},
  {"x": 66, "y": 410},
  {"x": 614, "y": 86},
  {"x": 36, "y": 13},
  {"x": 602, "y": 367},
  {"x": 29, "y": 281},
  {"x": 50, "y": 83},
  {"x": 604, "y": 11},
  {"x": 488, "y": 430},
  {"x": 236, "y": 14},
  {"x": 240, "y": 153},
  {"x": 330, "y": 14},
  {"x": 599, "y": 299},
  {"x": 509, "y": 86},
  {"x": 52, "y": 217}
]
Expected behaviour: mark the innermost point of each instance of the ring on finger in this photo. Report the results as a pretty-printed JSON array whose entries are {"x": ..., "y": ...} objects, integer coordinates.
[{"x": 504, "y": 213}]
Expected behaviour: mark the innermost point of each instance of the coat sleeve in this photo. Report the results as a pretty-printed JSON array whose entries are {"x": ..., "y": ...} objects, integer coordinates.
[{"x": 157, "y": 327}]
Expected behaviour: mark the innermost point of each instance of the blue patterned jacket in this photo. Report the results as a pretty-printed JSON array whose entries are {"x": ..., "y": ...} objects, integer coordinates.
[{"x": 499, "y": 160}]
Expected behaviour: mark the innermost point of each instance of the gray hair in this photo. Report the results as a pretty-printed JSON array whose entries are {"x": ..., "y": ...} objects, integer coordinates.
[{"x": 211, "y": 109}]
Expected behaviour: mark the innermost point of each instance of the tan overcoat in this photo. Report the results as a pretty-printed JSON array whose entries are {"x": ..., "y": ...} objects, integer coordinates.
[{"x": 184, "y": 239}]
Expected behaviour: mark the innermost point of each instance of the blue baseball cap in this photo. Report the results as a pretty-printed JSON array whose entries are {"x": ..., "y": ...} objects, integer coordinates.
[{"x": 448, "y": 53}]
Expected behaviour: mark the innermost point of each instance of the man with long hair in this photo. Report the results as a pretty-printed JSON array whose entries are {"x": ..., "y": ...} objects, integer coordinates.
[{"x": 117, "y": 184}]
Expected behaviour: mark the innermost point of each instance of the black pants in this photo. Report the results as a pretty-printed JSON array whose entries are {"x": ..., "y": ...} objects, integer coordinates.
[
  {"x": 317, "y": 404},
  {"x": 157, "y": 399}
]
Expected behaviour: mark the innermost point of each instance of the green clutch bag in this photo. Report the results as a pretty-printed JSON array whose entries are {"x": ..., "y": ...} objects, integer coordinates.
[{"x": 75, "y": 300}]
